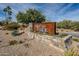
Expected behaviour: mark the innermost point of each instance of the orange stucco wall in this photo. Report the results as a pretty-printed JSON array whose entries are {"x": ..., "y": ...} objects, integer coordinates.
[{"x": 50, "y": 27}]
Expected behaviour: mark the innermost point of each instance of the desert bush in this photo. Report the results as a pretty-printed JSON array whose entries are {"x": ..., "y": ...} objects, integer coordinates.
[
  {"x": 75, "y": 26},
  {"x": 62, "y": 35},
  {"x": 20, "y": 42},
  {"x": 11, "y": 26},
  {"x": 16, "y": 33},
  {"x": 0, "y": 41},
  {"x": 2, "y": 23},
  {"x": 72, "y": 52},
  {"x": 6, "y": 33},
  {"x": 77, "y": 40},
  {"x": 67, "y": 24},
  {"x": 13, "y": 42},
  {"x": 27, "y": 45}
]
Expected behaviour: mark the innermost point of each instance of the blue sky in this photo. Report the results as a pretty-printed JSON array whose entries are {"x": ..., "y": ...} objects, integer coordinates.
[{"x": 52, "y": 11}]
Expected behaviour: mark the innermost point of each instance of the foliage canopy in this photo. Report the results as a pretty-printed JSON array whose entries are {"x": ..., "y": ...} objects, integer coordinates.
[{"x": 31, "y": 15}]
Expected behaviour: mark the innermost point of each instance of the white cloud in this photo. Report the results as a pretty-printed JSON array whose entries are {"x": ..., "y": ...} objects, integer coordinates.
[
  {"x": 65, "y": 8},
  {"x": 2, "y": 18}
]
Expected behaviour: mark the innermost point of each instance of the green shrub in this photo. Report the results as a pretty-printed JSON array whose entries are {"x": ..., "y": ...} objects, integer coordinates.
[
  {"x": 13, "y": 42},
  {"x": 67, "y": 24},
  {"x": 11, "y": 26},
  {"x": 77, "y": 40},
  {"x": 72, "y": 52},
  {"x": 2, "y": 23},
  {"x": 62, "y": 35},
  {"x": 16, "y": 33}
]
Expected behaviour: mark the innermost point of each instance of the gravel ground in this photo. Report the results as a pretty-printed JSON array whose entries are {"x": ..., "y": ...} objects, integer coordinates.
[{"x": 31, "y": 45}]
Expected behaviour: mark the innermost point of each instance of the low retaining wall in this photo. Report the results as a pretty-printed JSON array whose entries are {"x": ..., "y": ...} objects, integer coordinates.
[{"x": 63, "y": 43}]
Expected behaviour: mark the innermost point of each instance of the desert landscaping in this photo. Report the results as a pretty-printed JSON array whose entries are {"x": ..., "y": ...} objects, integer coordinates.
[
  {"x": 28, "y": 32},
  {"x": 30, "y": 44},
  {"x": 27, "y": 44}
]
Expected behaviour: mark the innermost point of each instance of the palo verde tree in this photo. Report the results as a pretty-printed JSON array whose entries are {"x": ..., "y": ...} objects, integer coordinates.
[
  {"x": 8, "y": 13},
  {"x": 31, "y": 15}
]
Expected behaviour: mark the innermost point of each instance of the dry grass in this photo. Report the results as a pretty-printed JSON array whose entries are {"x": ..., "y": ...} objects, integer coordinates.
[
  {"x": 72, "y": 52},
  {"x": 13, "y": 42},
  {"x": 75, "y": 39}
]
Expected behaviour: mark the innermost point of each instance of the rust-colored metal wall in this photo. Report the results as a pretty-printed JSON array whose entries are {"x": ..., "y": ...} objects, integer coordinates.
[{"x": 49, "y": 27}]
